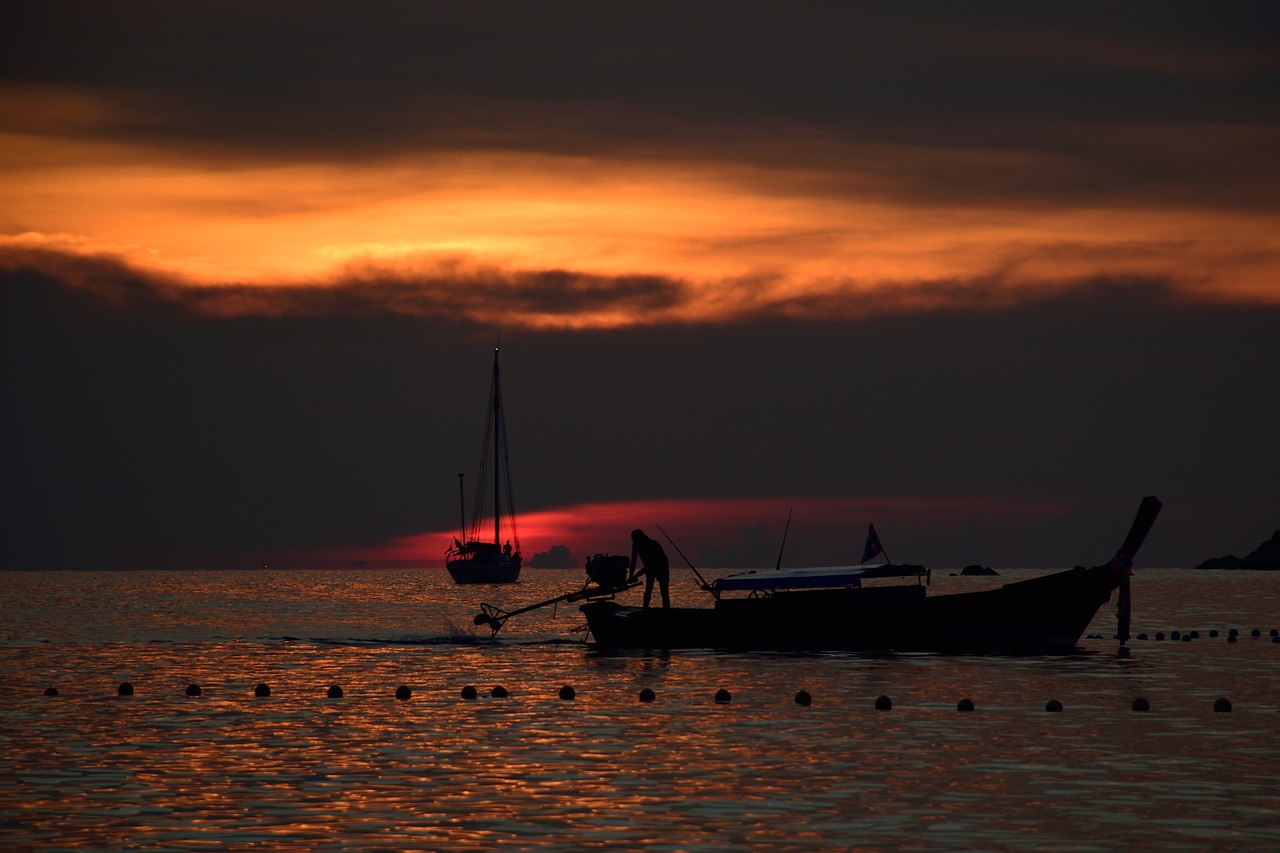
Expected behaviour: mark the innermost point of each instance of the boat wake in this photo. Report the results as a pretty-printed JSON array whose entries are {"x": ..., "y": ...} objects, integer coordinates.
[{"x": 439, "y": 641}]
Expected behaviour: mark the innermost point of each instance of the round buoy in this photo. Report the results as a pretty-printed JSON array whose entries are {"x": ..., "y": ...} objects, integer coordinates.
[
  {"x": 1213, "y": 634},
  {"x": 1255, "y": 633},
  {"x": 1275, "y": 639},
  {"x": 723, "y": 696},
  {"x": 480, "y": 619},
  {"x": 125, "y": 689},
  {"x": 1195, "y": 635},
  {"x": 803, "y": 698},
  {"x": 1223, "y": 705},
  {"x": 1233, "y": 632},
  {"x": 964, "y": 705},
  {"x": 647, "y": 695},
  {"x": 1186, "y": 638},
  {"x": 498, "y": 692},
  {"x": 469, "y": 692},
  {"x": 193, "y": 689},
  {"x": 1053, "y": 705},
  {"x": 335, "y": 692},
  {"x": 883, "y": 703},
  {"x": 1231, "y": 638},
  {"x": 567, "y": 692},
  {"x": 1159, "y": 635},
  {"x": 403, "y": 692},
  {"x": 51, "y": 691},
  {"x": 1142, "y": 636},
  {"x": 1176, "y": 635},
  {"x": 1275, "y": 632},
  {"x": 262, "y": 690},
  {"x": 1141, "y": 704}
]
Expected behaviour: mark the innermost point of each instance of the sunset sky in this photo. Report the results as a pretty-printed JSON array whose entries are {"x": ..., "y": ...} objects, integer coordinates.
[{"x": 982, "y": 274}]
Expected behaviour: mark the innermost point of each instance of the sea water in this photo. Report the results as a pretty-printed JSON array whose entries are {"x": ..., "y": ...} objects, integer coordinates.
[{"x": 297, "y": 770}]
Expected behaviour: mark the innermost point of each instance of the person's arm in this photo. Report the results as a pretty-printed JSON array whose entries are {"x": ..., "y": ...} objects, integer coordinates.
[{"x": 631, "y": 568}]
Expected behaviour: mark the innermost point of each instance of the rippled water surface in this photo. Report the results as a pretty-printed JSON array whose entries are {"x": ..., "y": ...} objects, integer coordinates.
[{"x": 296, "y": 770}]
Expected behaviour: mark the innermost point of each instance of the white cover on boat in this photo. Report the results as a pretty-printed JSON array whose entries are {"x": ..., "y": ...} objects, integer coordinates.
[{"x": 833, "y": 576}]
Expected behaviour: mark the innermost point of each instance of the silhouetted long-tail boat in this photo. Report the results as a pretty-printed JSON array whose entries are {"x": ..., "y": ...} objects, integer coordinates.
[{"x": 831, "y": 609}]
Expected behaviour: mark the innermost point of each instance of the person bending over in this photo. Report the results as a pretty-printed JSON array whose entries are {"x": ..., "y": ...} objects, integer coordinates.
[{"x": 656, "y": 566}]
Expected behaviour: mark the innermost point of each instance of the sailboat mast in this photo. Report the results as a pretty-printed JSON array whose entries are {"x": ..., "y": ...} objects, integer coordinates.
[
  {"x": 462, "y": 506},
  {"x": 497, "y": 457}
]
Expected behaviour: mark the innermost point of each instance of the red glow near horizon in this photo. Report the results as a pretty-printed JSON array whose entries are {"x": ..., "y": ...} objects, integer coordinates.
[{"x": 587, "y": 529}]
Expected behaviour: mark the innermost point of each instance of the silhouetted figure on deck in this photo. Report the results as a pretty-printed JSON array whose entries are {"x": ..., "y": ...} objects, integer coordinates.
[{"x": 656, "y": 566}]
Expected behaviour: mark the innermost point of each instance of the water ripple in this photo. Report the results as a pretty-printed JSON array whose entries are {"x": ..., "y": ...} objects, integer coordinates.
[{"x": 299, "y": 771}]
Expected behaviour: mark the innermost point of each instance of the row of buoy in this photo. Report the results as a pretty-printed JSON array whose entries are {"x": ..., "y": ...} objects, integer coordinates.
[
  {"x": 403, "y": 692},
  {"x": 1232, "y": 636},
  {"x": 1187, "y": 636},
  {"x": 567, "y": 693},
  {"x": 884, "y": 703}
]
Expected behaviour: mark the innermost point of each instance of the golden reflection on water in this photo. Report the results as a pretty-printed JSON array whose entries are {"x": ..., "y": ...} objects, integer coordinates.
[{"x": 297, "y": 770}]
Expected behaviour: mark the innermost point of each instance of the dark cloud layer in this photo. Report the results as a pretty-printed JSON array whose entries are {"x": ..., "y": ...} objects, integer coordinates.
[
  {"x": 144, "y": 429},
  {"x": 994, "y": 100},
  {"x": 148, "y": 422},
  {"x": 835, "y": 62}
]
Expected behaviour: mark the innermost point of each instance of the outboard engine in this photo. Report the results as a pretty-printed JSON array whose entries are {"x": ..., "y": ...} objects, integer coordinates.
[{"x": 609, "y": 571}]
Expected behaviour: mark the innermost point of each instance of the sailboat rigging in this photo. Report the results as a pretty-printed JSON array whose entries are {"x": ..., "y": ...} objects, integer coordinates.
[{"x": 474, "y": 558}]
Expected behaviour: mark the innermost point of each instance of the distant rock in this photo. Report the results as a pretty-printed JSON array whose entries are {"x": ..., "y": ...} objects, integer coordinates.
[
  {"x": 1265, "y": 558},
  {"x": 556, "y": 557},
  {"x": 975, "y": 569}
]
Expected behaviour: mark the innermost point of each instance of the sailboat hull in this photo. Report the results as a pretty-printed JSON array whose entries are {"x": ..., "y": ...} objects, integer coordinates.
[{"x": 483, "y": 571}]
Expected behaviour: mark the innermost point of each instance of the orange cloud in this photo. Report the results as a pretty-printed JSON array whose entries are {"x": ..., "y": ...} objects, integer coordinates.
[{"x": 726, "y": 240}]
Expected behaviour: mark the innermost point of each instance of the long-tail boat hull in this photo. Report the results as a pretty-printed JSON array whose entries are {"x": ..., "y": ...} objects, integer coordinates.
[{"x": 1044, "y": 614}]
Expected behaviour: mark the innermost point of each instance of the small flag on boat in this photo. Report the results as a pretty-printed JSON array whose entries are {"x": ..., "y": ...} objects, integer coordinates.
[{"x": 873, "y": 544}]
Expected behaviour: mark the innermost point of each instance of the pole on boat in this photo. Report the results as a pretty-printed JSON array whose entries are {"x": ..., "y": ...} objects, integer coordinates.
[
  {"x": 784, "y": 539},
  {"x": 495, "y": 617},
  {"x": 462, "y": 506},
  {"x": 701, "y": 580},
  {"x": 1124, "y": 607},
  {"x": 1123, "y": 561}
]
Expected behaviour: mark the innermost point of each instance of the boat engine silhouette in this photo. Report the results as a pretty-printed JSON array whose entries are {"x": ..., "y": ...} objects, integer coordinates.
[{"x": 608, "y": 571}]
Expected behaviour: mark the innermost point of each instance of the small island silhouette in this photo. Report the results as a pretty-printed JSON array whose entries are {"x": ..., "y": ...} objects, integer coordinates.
[
  {"x": 556, "y": 557},
  {"x": 1266, "y": 557}
]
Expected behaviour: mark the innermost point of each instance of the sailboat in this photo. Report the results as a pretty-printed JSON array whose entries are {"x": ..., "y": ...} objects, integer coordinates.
[{"x": 474, "y": 558}]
